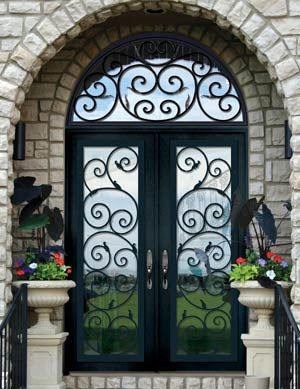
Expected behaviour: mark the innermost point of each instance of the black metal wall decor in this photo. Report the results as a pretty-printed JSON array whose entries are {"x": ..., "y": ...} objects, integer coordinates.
[
  {"x": 157, "y": 80},
  {"x": 19, "y": 142}
]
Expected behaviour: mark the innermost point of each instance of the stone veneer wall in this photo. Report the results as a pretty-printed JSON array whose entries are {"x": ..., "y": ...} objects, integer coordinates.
[
  {"x": 33, "y": 31},
  {"x": 45, "y": 108}
]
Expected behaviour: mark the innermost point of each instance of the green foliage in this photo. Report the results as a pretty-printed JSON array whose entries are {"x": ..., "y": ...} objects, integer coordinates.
[
  {"x": 251, "y": 256},
  {"x": 33, "y": 222},
  {"x": 243, "y": 272},
  {"x": 252, "y": 267},
  {"x": 248, "y": 211},
  {"x": 33, "y": 217},
  {"x": 49, "y": 271},
  {"x": 40, "y": 263},
  {"x": 55, "y": 227},
  {"x": 266, "y": 221},
  {"x": 48, "y": 265},
  {"x": 263, "y": 263},
  {"x": 260, "y": 217}
]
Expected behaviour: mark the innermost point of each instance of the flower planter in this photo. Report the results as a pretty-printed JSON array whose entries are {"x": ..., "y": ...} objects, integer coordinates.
[
  {"x": 44, "y": 296},
  {"x": 262, "y": 300}
]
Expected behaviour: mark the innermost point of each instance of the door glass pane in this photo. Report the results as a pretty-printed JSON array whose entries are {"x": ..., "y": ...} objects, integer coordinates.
[
  {"x": 157, "y": 80},
  {"x": 203, "y": 232},
  {"x": 110, "y": 250}
]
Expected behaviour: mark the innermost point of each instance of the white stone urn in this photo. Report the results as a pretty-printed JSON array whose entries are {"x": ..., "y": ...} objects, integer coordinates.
[
  {"x": 44, "y": 296},
  {"x": 262, "y": 300}
]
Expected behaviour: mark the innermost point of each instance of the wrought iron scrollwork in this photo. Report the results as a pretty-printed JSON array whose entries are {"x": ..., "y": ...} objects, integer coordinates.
[
  {"x": 157, "y": 80},
  {"x": 203, "y": 249},
  {"x": 110, "y": 250}
]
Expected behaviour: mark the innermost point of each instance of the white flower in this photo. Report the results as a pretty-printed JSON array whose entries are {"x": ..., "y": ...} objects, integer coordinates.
[
  {"x": 271, "y": 274},
  {"x": 33, "y": 265}
]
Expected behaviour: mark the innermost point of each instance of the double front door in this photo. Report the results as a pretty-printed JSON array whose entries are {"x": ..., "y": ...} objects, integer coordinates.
[{"x": 151, "y": 242}]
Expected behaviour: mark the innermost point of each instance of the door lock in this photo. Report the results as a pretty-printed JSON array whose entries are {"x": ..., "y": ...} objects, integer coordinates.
[
  {"x": 149, "y": 261},
  {"x": 165, "y": 264}
]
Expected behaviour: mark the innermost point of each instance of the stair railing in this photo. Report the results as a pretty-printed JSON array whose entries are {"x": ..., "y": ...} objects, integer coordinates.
[
  {"x": 287, "y": 344},
  {"x": 13, "y": 343}
]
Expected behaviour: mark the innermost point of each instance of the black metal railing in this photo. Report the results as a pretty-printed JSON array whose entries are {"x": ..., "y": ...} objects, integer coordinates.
[
  {"x": 287, "y": 344},
  {"x": 13, "y": 343}
]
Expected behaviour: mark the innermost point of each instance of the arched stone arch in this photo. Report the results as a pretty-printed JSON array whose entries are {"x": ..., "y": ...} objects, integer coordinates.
[
  {"x": 90, "y": 46},
  {"x": 67, "y": 20},
  {"x": 226, "y": 53},
  {"x": 251, "y": 76}
]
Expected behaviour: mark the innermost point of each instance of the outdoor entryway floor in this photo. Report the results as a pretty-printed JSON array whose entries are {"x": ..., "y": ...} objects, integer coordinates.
[{"x": 163, "y": 380}]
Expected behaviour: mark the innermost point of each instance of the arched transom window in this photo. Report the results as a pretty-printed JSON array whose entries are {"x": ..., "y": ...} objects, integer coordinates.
[{"x": 157, "y": 79}]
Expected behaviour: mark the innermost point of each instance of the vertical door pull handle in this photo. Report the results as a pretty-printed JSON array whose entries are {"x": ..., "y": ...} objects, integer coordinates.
[
  {"x": 165, "y": 265},
  {"x": 149, "y": 261}
]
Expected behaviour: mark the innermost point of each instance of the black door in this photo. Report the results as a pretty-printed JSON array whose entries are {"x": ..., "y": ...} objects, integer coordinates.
[{"x": 150, "y": 239}]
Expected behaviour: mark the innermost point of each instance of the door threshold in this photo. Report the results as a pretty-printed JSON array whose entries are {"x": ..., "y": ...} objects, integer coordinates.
[{"x": 159, "y": 373}]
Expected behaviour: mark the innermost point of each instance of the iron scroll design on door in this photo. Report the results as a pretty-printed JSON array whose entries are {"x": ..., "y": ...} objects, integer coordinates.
[
  {"x": 110, "y": 252},
  {"x": 203, "y": 251},
  {"x": 157, "y": 80}
]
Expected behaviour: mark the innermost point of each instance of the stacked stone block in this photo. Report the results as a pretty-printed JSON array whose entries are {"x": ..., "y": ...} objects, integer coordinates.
[{"x": 154, "y": 381}]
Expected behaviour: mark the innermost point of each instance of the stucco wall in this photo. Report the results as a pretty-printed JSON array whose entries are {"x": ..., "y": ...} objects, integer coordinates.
[{"x": 32, "y": 32}]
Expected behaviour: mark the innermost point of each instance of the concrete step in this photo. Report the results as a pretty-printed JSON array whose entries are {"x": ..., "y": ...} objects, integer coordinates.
[{"x": 148, "y": 380}]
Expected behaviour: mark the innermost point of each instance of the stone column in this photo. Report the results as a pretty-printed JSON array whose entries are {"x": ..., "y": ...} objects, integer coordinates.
[
  {"x": 295, "y": 215},
  {"x": 260, "y": 340},
  {"x": 260, "y": 355},
  {"x": 45, "y": 340},
  {"x": 44, "y": 361}
]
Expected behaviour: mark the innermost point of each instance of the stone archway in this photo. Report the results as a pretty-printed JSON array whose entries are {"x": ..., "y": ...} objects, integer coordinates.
[
  {"x": 61, "y": 73},
  {"x": 64, "y": 22}
]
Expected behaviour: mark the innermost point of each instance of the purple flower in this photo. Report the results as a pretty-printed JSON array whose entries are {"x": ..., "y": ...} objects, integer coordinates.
[
  {"x": 284, "y": 264},
  {"x": 19, "y": 262},
  {"x": 29, "y": 270},
  {"x": 262, "y": 262}
]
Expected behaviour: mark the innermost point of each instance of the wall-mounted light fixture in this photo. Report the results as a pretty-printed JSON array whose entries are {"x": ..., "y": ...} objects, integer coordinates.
[
  {"x": 287, "y": 136},
  {"x": 19, "y": 142}
]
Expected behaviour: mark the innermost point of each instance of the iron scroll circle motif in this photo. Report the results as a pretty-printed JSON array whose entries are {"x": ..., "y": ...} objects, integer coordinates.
[
  {"x": 204, "y": 249},
  {"x": 110, "y": 250},
  {"x": 161, "y": 78}
]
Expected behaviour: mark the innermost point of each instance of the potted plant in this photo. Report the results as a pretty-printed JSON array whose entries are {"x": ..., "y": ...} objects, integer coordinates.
[
  {"x": 256, "y": 273},
  {"x": 42, "y": 266}
]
